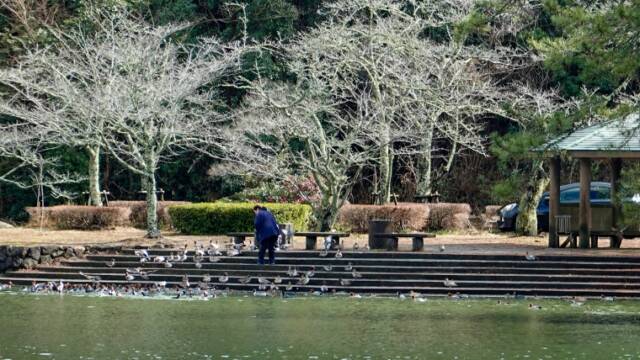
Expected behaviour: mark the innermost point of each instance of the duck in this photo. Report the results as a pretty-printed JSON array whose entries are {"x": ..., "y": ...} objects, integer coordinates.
[
  {"x": 130, "y": 277},
  {"x": 159, "y": 259},
  {"x": 345, "y": 282},
  {"x": 355, "y": 274},
  {"x": 141, "y": 253},
  {"x": 323, "y": 253},
  {"x": 214, "y": 259},
  {"x": 289, "y": 286},
  {"x": 161, "y": 284},
  {"x": 245, "y": 280},
  {"x": 327, "y": 268},
  {"x": 277, "y": 280},
  {"x": 224, "y": 278},
  {"x": 168, "y": 265},
  {"x": 206, "y": 278},
  {"x": 449, "y": 283},
  {"x": 111, "y": 263},
  {"x": 198, "y": 265},
  {"x": 304, "y": 280},
  {"x": 442, "y": 248},
  {"x": 606, "y": 298},
  {"x": 356, "y": 247},
  {"x": 529, "y": 257},
  {"x": 185, "y": 282},
  {"x": 535, "y": 307},
  {"x": 349, "y": 267},
  {"x": 260, "y": 293},
  {"x": 324, "y": 288},
  {"x": 262, "y": 280},
  {"x": 292, "y": 272},
  {"x": 338, "y": 254}
]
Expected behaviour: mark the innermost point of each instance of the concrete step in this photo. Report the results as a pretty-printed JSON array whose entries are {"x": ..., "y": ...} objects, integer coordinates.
[
  {"x": 339, "y": 272},
  {"x": 355, "y": 288},
  {"x": 285, "y": 260},
  {"x": 415, "y": 255},
  {"x": 365, "y": 281}
]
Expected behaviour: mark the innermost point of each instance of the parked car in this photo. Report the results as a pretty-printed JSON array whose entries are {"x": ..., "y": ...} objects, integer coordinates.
[{"x": 600, "y": 193}]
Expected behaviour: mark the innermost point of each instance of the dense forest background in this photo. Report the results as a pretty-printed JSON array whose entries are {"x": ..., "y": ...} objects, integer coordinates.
[{"x": 589, "y": 55}]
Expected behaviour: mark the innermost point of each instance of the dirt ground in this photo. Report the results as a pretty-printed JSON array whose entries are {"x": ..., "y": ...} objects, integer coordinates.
[{"x": 484, "y": 243}]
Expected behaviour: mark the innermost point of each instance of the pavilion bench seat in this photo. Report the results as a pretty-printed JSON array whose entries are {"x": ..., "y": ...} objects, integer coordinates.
[{"x": 417, "y": 239}]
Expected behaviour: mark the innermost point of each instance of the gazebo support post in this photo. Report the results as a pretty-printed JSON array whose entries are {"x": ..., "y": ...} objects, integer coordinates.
[
  {"x": 554, "y": 201},
  {"x": 616, "y": 167},
  {"x": 585, "y": 203}
]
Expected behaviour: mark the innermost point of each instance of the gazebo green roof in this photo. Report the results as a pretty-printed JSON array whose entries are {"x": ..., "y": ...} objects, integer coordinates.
[{"x": 615, "y": 138}]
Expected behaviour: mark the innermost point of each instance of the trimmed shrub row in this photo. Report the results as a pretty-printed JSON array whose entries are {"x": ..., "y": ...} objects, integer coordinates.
[
  {"x": 221, "y": 218},
  {"x": 405, "y": 216},
  {"x": 74, "y": 217},
  {"x": 138, "y": 209}
]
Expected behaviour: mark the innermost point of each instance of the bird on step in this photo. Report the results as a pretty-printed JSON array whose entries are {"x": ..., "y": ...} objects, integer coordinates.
[
  {"x": 245, "y": 280},
  {"x": 214, "y": 259},
  {"x": 442, "y": 248},
  {"x": 338, "y": 254},
  {"x": 111, "y": 263},
  {"x": 530, "y": 257},
  {"x": 185, "y": 282},
  {"x": 277, "y": 280},
  {"x": 345, "y": 282},
  {"x": 323, "y": 253},
  {"x": 129, "y": 277},
  {"x": 304, "y": 280},
  {"x": 60, "y": 287},
  {"x": 206, "y": 278},
  {"x": 159, "y": 259},
  {"x": 449, "y": 283},
  {"x": 262, "y": 280},
  {"x": 356, "y": 247},
  {"x": 141, "y": 253},
  {"x": 224, "y": 278},
  {"x": 355, "y": 274},
  {"x": 327, "y": 268},
  {"x": 168, "y": 265},
  {"x": 324, "y": 288},
  {"x": 233, "y": 252},
  {"x": 312, "y": 272},
  {"x": 289, "y": 287},
  {"x": 198, "y": 265},
  {"x": 90, "y": 277},
  {"x": 292, "y": 272},
  {"x": 349, "y": 267}
]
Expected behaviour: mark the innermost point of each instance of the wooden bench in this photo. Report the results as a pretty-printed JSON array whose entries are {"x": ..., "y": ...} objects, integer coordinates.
[
  {"x": 239, "y": 237},
  {"x": 312, "y": 238},
  {"x": 417, "y": 239}
]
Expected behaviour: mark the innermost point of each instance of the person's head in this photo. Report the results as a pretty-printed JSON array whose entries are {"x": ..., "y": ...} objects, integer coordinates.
[{"x": 258, "y": 208}]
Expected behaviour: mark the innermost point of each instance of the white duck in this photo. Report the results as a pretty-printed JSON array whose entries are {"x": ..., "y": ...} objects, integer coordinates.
[{"x": 449, "y": 283}]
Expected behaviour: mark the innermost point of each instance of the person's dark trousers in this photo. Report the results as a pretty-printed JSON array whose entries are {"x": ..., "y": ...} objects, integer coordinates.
[{"x": 268, "y": 244}]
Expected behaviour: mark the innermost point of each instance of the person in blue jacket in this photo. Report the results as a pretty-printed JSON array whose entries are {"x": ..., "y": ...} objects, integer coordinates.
[{"x": 267, "y": 232}]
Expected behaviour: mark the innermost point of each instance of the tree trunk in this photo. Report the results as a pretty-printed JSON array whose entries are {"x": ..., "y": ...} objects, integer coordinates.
[
  {"x": 94, "y": 176},
  {"x": 327, "y": 216},
  {"x": 424, "y": 186},
  {"x": 152, "y": 207},
  {"x": 386, "y": 168},
  {"x": 527, "y": 220}
]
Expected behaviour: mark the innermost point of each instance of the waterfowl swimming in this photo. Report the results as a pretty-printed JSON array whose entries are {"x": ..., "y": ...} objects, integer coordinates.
[
  {"x": 224, "y": 278},
  {"x": 449, "y": 283},
  {"x": 141, "y": 253},
  {"x": 110, "y": 263},
  {"x": 530, "y": 257},
  {"x": 168, "y": 265}
]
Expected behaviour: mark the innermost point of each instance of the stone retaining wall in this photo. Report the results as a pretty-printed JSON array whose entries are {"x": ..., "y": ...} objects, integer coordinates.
[{"x": 18, "y": 257}]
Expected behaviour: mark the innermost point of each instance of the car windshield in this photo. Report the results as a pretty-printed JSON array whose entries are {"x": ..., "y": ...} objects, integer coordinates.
[{"x": 598, "y": 193}]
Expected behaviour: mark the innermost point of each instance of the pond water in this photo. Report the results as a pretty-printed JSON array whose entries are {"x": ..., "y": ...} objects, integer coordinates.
[{"x": 76, "y": 327}]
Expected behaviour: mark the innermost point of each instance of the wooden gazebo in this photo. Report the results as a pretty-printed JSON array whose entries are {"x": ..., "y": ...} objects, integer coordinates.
[{"x": 614, "y": 141}]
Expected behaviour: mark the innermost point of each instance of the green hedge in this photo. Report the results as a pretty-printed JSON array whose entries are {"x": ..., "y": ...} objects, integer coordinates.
[{"x": 220, "y": 218}]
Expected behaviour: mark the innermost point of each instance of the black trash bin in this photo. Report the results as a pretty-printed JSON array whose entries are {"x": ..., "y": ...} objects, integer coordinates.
[{"x": 377, "y": 226}]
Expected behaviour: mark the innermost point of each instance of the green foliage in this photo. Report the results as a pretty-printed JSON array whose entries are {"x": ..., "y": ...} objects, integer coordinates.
[
  {"x": 506, "y": 190},
  {"x": 597, "y": 45},
  {"x": 630, "y": 186},
  {"x": 221, "y": 218}
]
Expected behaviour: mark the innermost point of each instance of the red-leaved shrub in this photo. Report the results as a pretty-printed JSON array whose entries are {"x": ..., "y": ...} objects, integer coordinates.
[
  {"x": 449, "y": 216},
  {"x": 404, "y": 216},
  {"x": 78, "y": 217}
]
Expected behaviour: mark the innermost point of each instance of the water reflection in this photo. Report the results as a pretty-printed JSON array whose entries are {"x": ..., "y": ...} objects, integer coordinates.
[{"x": 73, "y": 327}]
